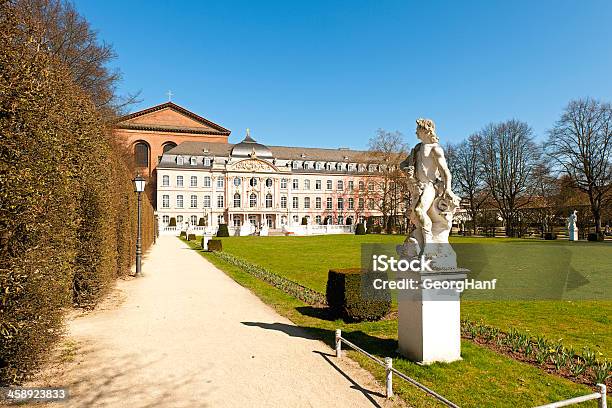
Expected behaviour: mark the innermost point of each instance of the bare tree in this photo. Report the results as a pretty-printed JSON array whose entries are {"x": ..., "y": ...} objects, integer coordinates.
[
  {"x": 69, "y": 38},
  {"x": 546, "y": 189},
  {"x": 581, "y": 144},
  {"x": 509, "y": 157},
  {"x": 386, "y": 151},
  {"x": 468, "y": 177}
]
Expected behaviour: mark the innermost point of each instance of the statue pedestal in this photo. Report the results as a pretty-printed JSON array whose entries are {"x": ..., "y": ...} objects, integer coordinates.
[
  {"x": 429, "y": 327},
  {"x": 573, "y": 234}
]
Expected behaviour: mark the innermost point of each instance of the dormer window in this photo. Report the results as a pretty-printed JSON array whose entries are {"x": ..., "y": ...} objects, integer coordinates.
[
  {"x": 180, "y": 161},
  {"x": 317, "y": 166},
  {"x": 294, "y": 165},
  {"x": 306, "y": 166},
  {"x": 328, "y": 166},
  {"x": 207, "y": 161},
  {"x": 338, "y": 166},
  {"x": 193, "y": 161}
]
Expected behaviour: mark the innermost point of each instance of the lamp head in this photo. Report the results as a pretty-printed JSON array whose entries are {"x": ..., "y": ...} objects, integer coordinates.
[{"x": 139, "y": 184}]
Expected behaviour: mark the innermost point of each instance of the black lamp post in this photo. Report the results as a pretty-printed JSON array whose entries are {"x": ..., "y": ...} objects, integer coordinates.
[{"x": 139, "y": 186}]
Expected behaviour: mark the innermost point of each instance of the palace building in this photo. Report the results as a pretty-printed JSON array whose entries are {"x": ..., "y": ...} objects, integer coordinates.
[{"x": 200, "y": 178}]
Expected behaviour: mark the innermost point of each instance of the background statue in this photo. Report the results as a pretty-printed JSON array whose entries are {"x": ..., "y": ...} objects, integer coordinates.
[
  {"x": 572, "y": 227},
  {"x": 433, "y": 201}
]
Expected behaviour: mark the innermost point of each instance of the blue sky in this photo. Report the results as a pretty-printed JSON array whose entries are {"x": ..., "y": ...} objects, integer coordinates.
[{"x": 329, "y": 73}]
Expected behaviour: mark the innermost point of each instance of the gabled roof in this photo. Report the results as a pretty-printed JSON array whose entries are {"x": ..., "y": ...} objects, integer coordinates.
[{"x": 203, "y": 125}]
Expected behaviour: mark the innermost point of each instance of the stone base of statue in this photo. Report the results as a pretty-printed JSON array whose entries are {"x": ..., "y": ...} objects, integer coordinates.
[
  {"x": 429, "y": 326},
  {"x": 573, "y": 234}
]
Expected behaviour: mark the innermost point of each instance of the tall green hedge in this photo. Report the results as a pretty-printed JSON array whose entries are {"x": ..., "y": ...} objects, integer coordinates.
[{"x": 67, "y": 207}]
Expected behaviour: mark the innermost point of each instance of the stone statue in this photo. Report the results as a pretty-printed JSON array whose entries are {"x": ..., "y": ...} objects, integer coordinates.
[
  {"x": 433, "y": 202},
  {"x": 572, "y": 227}
]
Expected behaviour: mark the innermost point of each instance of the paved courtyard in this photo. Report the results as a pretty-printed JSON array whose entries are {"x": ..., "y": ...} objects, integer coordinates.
[{"x": 186, "y": 335}]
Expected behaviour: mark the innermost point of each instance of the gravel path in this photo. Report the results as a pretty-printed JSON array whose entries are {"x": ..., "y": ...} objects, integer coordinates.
[{"x": 186, "y": 335}]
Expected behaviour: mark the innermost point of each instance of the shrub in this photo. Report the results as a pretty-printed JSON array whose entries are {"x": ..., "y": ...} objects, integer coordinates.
[
  {"x": 183, "y": 234},
  {"x": 67, "y": 206},
  {"x": 549, "y": 236},
  {"x": 369, "y": 224},
  {"x": 596, "y": 237},
  {"x": 223, "y": 231},
  {"x": 304, "y": 221},
  {"x": 215, "y": 245},
  {"x": 191, "y": 237},
  {"x": 172, "y": 222},
  {"x": 347, "y": 297},
  {"x": 360, "y": 229},
  {"x": 201, "y": 222}
]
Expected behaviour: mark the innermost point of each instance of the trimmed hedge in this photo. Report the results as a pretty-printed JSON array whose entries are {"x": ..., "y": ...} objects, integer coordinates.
[
  {"x": 348, "y": 299},
  {"x": 360, "y": 229},
  {"x": 290, "y": 287},
  {"x": 201, "y": 222},
  {"x": 223, "y": 231},
  {"x": 67, "y": 206},
  {"x": 304, "y": 221},
  {"x": 549, "y": 236},
  {"x": 183, "y": 234},
  {"x": 191, "y": 237},
  {"x": 596, "y": 237},
  {"x": 215, "y": 245},
  {"x": 172, "y": 222}
]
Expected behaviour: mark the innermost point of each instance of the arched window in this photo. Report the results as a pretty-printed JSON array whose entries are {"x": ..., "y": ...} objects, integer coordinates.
[
  {"x": 169, "y": 145},
  {"x": 236, "y": 200},
  {"x": 268, "y": 200},
  {"x": 253, "y": 200},
  {"x": 141, "y": 154}
]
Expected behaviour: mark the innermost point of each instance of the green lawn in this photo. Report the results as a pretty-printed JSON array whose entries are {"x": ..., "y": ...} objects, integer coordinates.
[
  {"x": 482, "y": 379},
  {"x": 558, "y": 270}
]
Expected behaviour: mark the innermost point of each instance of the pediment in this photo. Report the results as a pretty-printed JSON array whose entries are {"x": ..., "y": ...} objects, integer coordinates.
[
  {"x": 170, "y": 116},
  {"x": 253, "y": 165}
]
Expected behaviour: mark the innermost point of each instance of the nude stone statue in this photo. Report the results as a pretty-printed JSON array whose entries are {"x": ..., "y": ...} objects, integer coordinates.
[{"x": 433, "y": 201}]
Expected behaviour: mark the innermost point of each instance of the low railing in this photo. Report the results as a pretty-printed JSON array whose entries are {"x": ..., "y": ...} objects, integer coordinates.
[
  {"x": 600, "y": 396},
  {"x": 388, "y": 365}
]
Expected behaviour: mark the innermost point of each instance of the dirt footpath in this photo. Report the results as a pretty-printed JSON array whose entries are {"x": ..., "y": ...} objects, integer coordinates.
[{"x": 186, "y": 335}]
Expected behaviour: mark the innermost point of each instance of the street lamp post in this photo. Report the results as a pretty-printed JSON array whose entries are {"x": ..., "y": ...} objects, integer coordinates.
[{"x": 139, "y": 186}]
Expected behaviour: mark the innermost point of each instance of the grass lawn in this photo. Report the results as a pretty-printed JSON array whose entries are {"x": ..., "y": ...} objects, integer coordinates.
[
  {"x": 482, "y": 379},
  {"x": 565, "y": 272}
]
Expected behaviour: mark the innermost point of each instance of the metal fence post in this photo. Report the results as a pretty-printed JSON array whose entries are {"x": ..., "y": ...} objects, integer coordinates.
[
  {"x": 389, "y": 365},
  {"x": 338, "y": 343},
  {"x": 602, "y": 400}
]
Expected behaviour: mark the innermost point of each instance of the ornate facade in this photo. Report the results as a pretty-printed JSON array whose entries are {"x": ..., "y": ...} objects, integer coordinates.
[{"x": 213, "y": 183}]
